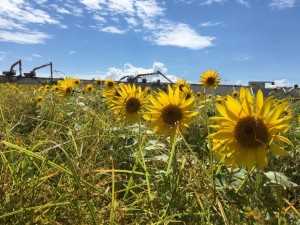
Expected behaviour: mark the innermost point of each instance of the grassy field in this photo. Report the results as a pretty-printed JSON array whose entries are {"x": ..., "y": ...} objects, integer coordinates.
[{"x": 69, "y": 160}]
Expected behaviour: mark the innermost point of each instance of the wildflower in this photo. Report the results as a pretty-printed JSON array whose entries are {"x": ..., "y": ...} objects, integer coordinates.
[
  {"x": 170, "y": 111},
  {"x": 184, "y": 88},
  {"x": 88, "y": 88},
  {"x": 129, "y": 103},
  {"x": 66, "y": 86},
  {"x": 210, "y": 79},
  {"x": 181, "y": 84},
  {"x": 235, "y": 94},
  {"x": 99, "y": 82},
  {"x": 247, "y": 128},
  {"x": 109, "y": 84},
  {"x": 39, "y": 99}
]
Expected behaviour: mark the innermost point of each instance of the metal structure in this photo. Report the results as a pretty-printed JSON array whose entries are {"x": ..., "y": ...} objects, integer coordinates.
[
  {"x": 12, "y": 71},
  {"x": 32, "y": 73},
  {"x": 260, "y": 84},
  {"x": 134, "y": 79}
]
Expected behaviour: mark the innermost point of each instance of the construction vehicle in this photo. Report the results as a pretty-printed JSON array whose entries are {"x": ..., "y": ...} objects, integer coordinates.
[
  {"x": 135, "y": 79},
  {"x": 32, "y": 73},
  {"x": 12, "y": 71}
]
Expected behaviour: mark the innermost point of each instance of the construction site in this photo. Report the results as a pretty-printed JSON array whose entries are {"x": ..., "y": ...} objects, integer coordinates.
[{"x": 15, "y": 75}]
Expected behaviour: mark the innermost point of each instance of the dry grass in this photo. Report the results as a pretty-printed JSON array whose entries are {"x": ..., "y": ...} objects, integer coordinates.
[{"x": 67, "y": 161}]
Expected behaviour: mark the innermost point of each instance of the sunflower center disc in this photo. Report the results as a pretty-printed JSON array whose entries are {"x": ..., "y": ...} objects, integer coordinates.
[
  {"x": 110, "y": 84},
  {"x": 181, "y": 86},
  {"x": 210, "y": 81},
  {"x": 117, "y": 93},
  {"x": 68, "y": 90},
  {"x": 133, "y": 105},
  {"x": 251, "y": 133},
  {"x": 188, "y": 95},
  {"x": 171, "y": 114}
]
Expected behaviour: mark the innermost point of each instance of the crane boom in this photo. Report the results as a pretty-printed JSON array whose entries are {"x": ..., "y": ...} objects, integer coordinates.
[
  {"x": 12, "y": 72},
  {"x": 32, "y": 73}
]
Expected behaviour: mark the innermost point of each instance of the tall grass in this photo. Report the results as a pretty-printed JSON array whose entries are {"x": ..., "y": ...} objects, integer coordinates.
[{"x": 68, "y": 161}]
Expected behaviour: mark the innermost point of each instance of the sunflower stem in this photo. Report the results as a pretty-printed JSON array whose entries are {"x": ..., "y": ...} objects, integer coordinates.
[
  {"x": 172, "y": 154},
  {"x": 249, "y": 173}
]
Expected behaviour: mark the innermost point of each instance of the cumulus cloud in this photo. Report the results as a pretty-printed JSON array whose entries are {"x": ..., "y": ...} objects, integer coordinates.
[
  {"x": 181, "y": 35},
  {"x": 115, "y": 73}
]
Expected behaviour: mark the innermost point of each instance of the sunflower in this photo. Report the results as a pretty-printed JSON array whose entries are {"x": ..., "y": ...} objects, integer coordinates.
[
  {"x": 248, "y": 128},
  {"x": 88, "y": 88},
  {"x": 66, "y": 86},
  {"x": 170, "y": 111},
  {"x": 99, "y": 82},
  {"x": 76, "y": 81},
  {"x": 109, "y": 84},
  {"x": 128, "y": 104},
  {"x": 39, "y": 99},
  {"x": 184, "y": 88},
  {"x": 181, "y": 84},
  {"x": 113, "y": 92},
  {"x": 210, "y": 79},
  {"x": 235, "y": 94},
  {"x": 70, "y": 81},
  {"x": 287, "y": 112},
  {"x": 55, "y": 88}
]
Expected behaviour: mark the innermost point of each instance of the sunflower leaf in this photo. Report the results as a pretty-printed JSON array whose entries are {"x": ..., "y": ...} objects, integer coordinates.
[{"x": 280, "y": 178}]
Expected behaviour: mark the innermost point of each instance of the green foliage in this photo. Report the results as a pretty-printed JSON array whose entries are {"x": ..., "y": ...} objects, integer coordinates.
[{"x": 66, "y": 160}]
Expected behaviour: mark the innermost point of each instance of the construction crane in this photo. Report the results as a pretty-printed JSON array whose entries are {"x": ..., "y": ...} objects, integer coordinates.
[
  {"x": 134, "y": 79},
  {"x": 12, "y": 71},
  {"x": 32, "y": 73}
]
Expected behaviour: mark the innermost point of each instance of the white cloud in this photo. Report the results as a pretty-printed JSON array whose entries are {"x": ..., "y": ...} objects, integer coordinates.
[
  {"x": 181, "y": 35},
  {"x": 35, "y": 55},
  {"x": 147, "y": 17},
  {"x": 72, "y": 52},
  {"x": 112, "y": 16},
  {"x": 99, "y": 18},
  {"x": 23, "y": 12},
  {"x": 243, "y": 2},
  {"x": 210, "y": 24},
  {"x": 112, "y": 29},
  {"x": 9, "y": 24},
  {"x": 129, "y": 69},
  {"x": 26, "y": 37},
  {"x": 60, "y": 9},
  {"x": 92, "y": 4},
  {"x": 209, "y": 2},
  {"x": 279, "y": 83},
  {"x": 282, "y": 4},
  {"x": 121, "y": 6},
  {"x": 15, "y": 18}
]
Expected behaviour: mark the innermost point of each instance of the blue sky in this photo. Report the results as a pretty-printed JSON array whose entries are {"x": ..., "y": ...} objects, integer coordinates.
[{"x": 242, "y": 39}]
